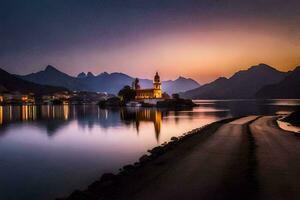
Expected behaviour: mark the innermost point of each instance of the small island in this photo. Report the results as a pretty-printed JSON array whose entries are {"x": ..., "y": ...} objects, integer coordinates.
[{"x": 135, "y": 96}]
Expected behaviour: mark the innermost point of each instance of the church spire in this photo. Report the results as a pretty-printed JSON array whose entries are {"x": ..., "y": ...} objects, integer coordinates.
[
  {"x": 156, "y": 78},
  {"x": 156, "y": 82}
]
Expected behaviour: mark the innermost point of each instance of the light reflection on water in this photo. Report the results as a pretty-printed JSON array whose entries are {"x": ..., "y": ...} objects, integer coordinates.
[{"x": 48, "y": 151}]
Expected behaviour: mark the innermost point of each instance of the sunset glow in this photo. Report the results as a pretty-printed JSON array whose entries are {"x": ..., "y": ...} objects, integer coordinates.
[
  {"x": 200, "y": 39},
  {"x": 149, "y": 99}
]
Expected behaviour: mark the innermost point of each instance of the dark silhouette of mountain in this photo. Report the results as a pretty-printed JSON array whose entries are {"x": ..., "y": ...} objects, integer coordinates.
[
  {"x": 288, "y": 88},
  {"x": 84, "y": 75},
  {"x": 104, "y": 82},
  {"x": 54, "y": 77},
  {"x": 242, "y": 85},
  {"x": 90, "y": 74},
  {"x": 181, "y": 84},
  {"x": 12, "y": 83},
  {"x": 81, "y": 75},
  {"x": 3, "y": 89}
]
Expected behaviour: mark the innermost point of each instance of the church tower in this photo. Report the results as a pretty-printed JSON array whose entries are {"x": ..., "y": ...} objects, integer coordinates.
[
  {"x": 157, "y": 86},
  {"x": 136, "y": 85}
]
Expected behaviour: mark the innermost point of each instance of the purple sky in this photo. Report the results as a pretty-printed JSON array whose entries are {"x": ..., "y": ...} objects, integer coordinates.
[{"x": 201, "y": 39}]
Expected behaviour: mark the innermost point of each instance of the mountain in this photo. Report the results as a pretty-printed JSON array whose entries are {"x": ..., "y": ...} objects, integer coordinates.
[
  {"x": 288, "y": 88},
  {"x": 104, "y": 82},
  {"x": 54, "y": 77},
  {"x": 81, "y": 75},
  {"x": 242, "y": 85},
  {"x": 90, "y": 74},
  {"x": 3, "y": 89},
  {"x": 12, "y": 83},
  {"x": 181, "y": 84}
]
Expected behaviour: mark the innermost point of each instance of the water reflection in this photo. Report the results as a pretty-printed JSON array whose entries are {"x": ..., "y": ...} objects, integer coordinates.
[
  {"x": 252, "y": 107},
  {"x": 52, "y": 118},
  {"x": 136, "y": 116},
  {"x": 55, "y": 149},
  {"x": 1, "y": 115}
]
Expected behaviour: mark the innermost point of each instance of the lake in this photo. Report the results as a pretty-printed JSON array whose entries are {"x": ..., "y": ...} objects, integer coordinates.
[{"x": 48, "y": 151}]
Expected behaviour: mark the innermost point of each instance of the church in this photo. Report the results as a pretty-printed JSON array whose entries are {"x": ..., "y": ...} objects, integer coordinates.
[{"x": 149, "y": 93}]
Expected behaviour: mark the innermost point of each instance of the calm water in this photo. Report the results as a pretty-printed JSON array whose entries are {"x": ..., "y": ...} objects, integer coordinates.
[{"x": 48, "y": 151}]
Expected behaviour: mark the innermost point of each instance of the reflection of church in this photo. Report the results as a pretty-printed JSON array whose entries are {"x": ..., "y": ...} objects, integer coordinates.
[
  {"x": 146, "y": 115},
  {"x": 150, "y": 93}
]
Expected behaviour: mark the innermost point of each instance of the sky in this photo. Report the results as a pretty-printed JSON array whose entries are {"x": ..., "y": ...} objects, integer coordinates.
[{"x": 201, "y": 39}]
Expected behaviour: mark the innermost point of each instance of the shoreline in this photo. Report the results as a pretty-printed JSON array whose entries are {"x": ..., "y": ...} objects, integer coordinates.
[
  {"x": 234, "y": 158},
  {"x": 105, "y": 187},
  {"x": 286, "y": 126},
  {"x": 290, "y": 122}
]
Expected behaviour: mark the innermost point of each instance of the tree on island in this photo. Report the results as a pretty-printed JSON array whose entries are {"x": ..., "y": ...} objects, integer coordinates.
[
  {"x": 175, "y": 96},
  {"x": 165, "y": 96},
  {"x": 127, "y": 93}
]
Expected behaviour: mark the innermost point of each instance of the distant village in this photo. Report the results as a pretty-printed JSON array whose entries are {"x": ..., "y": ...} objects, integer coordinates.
[
  {"x": 131, "y": 96},
  {"x": 64, "y": 97}
]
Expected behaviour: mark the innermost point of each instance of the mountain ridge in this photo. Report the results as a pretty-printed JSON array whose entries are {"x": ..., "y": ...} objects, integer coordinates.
[
  {"x": 288, "y": 88},
  {"x": 255, "y": 82},
  {"x": 103, "y": 82},
  {"x": 12, "y": 83},
  {"x": 54, "y": 77},
  {"x": 243, "y": 84}
]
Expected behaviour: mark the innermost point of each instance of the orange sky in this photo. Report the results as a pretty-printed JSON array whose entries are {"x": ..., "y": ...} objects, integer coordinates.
[
  {"x": 201, "y": 54},
  {"x": 201, "y": 39}
]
